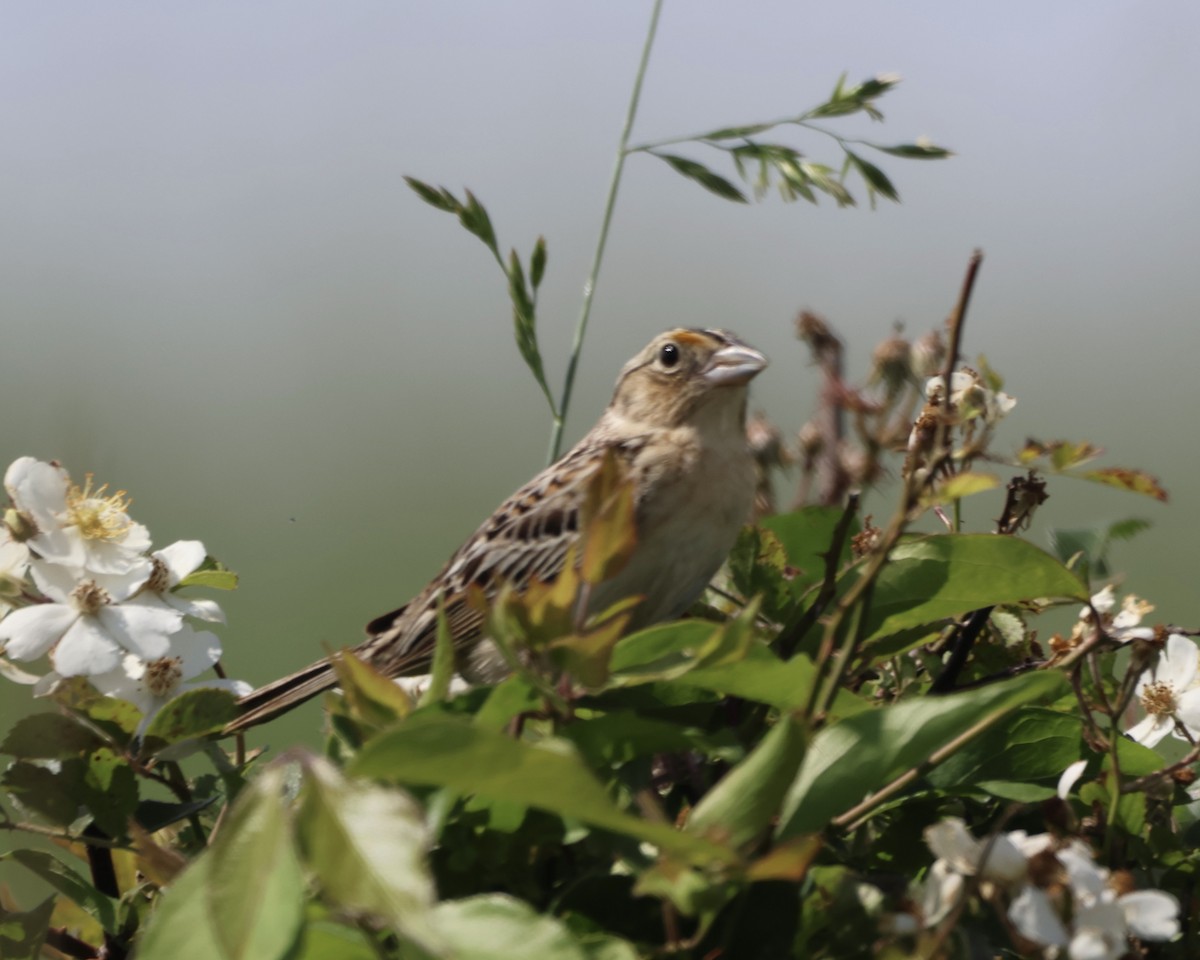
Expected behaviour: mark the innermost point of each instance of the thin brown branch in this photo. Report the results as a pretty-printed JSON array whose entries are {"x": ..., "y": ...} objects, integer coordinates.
[{"x": 860, "y": 812}]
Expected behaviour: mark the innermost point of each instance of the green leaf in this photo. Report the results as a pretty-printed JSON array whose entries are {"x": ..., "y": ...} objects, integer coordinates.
[
  {"x": 325, "y": 940},
  {"x": 494, "y": 926},
  {"x": 537, "y": 263},
  {"x": 1130, "y": 812},
  {"x": 1015, "y": 791},
  {"x": 442, "y": 669},
  {"x": 1034, "y": 744},
  {"x": 22, "y": 933},
  {"x": 117, "y": 719},
  {"x": 759, "y": 676},
  {"x": 447, "y": 751},
  {"x": 254, "y": 888},
  {"x": 70, "y": 884},
  {"x": 191, "y": 715},
  {"x": 474, "y": 217},
  {"x": 614, "y": 739},
  {"x": 961, "y": 485},
  {"x": 821, "y": 177},
  {"x": 49, "y": 736},
  {"x": 183, "y": 926},
  {"x": 731, "y": 133},
  {"x": 916, "y": 151},
  {"x": 861, "y": 754},
  {"x": 367, "y": 845},
  {"x": 703, "y": 176},
  {"x": 758, "y": 567},
  {"x": 153, "y": 815},
  {"x": 215, "y": 579},
  {"x": 742, "y": 804},
  {"x": 51, "y": 794},
  {"x": 663, "y": 651},
  {"x": 440, "y": 198},
  {"x": 371, "y": 697},
  {"x": 109, "y": 790},
  {"x": 671, "y": 650},
  {"x": 807, "y": 535},
  {"x": 876, "y": 179},
  {"x": 946, "y": 575}
]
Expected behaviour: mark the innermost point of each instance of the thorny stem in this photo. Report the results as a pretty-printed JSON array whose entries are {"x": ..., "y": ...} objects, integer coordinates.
[
  {"x": 825, "y": 688},
  {"x": 1141, "y": 783},
  {"x": 955, "y": 323},
  {"x": 589, "y": 287}
]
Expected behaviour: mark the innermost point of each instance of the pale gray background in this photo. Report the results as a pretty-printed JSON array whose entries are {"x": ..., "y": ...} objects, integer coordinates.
[{"x": 217, "y": 292}]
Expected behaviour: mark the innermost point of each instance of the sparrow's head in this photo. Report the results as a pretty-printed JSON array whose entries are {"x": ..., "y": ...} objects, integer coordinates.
[{"x": 686, "y": 373}]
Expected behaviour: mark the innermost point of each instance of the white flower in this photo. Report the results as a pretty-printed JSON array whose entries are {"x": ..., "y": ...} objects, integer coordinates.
[
  {"x": 85, "y": 627},
  {"x": 1166, "y": 693},
  {"x": 1123, "y": 626},
  {"x": 1101, "y": 919},
  {"x": 1001, "y": 861},
  {"x": 150, "y": 684},
  {"x": 171, "y": 565},
  {"x": 971, "y": 396},
  {"x": 79, "y": 527}
]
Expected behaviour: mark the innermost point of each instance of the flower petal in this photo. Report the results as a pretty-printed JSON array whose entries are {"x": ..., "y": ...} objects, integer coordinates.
[
  {"x": 1035, "y": 919},
  {"x": 1151, "y": 914},
  {"x": 37, "y": 488},
  {"x": 1070, "y": 777},
  {"x": 86, "y": 649},
  {"x": 181, "y": 558},
  {"x": 1178, "y": 662},
  {"x": 1150, "y": 730},
  {"x": 31, "y": 631},
  {"x": 141, "y": 629},
  {"x": 950, "y": 840},
  {"x": 1187, "y": 710},
  {"x": 197, "y": 650}
]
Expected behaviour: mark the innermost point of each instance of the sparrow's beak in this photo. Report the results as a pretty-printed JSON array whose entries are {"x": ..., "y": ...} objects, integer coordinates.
[{"x": 734, "y": 365}]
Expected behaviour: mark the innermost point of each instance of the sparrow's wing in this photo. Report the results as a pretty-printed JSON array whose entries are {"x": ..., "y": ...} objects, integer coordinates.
[{"x": 526, "y": 539}]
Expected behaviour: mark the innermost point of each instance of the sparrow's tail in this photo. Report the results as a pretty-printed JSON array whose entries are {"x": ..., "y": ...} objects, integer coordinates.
[{"x": 282, "y": 695}]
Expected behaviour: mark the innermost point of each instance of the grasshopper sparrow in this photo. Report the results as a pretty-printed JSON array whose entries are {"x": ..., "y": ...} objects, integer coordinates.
[{"x": 677, "y": 420}]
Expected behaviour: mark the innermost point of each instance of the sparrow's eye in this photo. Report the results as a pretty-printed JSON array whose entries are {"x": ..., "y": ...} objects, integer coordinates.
[{"x": 668, "y": 356}]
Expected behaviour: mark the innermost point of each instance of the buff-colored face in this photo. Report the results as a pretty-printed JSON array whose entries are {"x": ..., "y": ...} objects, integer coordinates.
[{"x": 682, "y": 368}]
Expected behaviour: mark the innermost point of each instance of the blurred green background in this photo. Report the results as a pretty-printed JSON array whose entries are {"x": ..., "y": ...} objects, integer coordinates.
[{"x": 218, "y": 294}]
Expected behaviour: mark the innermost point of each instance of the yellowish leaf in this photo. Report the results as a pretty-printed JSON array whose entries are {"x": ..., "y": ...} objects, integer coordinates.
[
  {"x": 370, "y": 695},
  {"x": 607, "y": 521},
  {"x": 1135, "y": 481}
]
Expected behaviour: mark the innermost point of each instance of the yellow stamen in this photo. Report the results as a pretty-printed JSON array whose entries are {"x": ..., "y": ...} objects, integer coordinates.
[
  {"x": 1158, "y": 698},
  {"x": 97, "y": 516}
]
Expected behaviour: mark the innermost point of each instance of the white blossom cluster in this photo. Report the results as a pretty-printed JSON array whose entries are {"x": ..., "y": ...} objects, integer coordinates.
[
  {"x": 1058, "y": 897},
  {"x": 80, "y": 583},
  {"x": 1168, "y": 688}
]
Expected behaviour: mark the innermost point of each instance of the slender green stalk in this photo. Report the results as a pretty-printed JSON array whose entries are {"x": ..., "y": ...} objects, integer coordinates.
[{"x": 589, "y": 288}]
